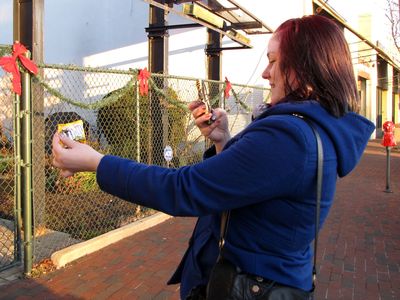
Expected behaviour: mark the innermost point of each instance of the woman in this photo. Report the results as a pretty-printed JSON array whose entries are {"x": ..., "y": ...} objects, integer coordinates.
[{"x": 265, "y": 175}]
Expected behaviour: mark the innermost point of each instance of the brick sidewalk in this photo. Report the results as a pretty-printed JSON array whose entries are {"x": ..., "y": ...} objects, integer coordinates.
[{"x": 359, "y": 250}]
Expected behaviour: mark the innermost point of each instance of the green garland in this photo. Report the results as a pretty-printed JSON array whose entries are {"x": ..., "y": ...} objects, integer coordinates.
[
  {"x": 5, "y": 50},
  {"x": 114, "y": 97},
  {"x": 170, "y": 100},
  {"x": 92, "y": 106},
  {"x": 117, "y": 93},
  {"x": 240, "y": 102}
]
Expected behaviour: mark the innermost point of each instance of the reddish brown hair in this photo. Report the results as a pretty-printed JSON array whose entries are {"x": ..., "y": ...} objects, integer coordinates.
[{"x": 314, "y": 50}]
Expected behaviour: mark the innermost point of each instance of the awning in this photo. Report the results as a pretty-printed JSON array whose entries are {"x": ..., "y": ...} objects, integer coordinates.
[
  {"x": 224, "y": 16},
  {"x": 377, "y": 47}
]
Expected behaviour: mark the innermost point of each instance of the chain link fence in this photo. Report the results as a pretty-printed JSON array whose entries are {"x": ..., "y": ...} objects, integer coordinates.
[
  {"x": 9, "y": 251},
  {"x": 117, "y": 120}
]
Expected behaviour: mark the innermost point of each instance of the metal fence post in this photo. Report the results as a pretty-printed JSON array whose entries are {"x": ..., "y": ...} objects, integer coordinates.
[
  {"x": 26, "y": 169},
  {"x": 138, "y": 145},
  {"x": 17, "y": 177}
]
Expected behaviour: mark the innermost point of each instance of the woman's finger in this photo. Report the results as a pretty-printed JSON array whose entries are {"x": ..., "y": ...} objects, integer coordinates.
[
  {"x": 199, "y": 111},
  {"x": 56, "y": 146},
  {"x": 202, "y": 120},
  {"x": 66, "y": 173},
  {"x": 54, "y": 161},
  {"x": 69, "y": 143},
  {"x": 194, "y": 104}
]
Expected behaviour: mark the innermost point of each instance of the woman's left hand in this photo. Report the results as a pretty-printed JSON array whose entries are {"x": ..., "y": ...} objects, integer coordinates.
[
  {"x": 72, "y": 157},
  {"x": 217, "y": 131}
]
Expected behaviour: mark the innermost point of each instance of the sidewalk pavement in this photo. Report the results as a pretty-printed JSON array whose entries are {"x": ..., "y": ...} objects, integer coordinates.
[{"x": 358, "y": 254}]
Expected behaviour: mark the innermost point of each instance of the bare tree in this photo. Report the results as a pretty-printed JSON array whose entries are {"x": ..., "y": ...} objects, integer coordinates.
[{"x": 393, "y": 14}]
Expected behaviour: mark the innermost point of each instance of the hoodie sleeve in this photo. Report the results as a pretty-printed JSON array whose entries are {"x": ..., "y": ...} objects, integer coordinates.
[{"x": 266, "y": 161}]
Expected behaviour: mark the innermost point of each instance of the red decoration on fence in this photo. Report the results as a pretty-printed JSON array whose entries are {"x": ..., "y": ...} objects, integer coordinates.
[
  {"x": 9, "y": 64},
  {"x": 144, "y": 76},
  {"x": 228, "y": 87}
]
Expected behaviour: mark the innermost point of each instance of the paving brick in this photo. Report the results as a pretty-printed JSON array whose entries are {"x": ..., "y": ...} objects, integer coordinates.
[
  {"x": 346, "y": 293},
  {"x": 348, "y": 280},
  {"x": 334, "y": 290},
  {"x": 321, "y": 290}
]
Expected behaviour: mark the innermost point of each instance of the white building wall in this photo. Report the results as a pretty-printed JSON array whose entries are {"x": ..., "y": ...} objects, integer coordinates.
[{"x": 371, "y": 99}]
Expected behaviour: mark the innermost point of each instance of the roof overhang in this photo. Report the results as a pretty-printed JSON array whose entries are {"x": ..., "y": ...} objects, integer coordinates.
[
  {"x": 224, "y": 16},
  {"x": 377, "y": 47}
]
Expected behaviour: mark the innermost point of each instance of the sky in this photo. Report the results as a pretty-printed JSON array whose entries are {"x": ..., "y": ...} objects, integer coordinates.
[{"x": 5, "y": 20}]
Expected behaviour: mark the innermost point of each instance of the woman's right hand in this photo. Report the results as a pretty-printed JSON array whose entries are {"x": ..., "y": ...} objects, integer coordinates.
[
  {"x": 217, "y": 130},
  {"x": 72, "y": 157}
]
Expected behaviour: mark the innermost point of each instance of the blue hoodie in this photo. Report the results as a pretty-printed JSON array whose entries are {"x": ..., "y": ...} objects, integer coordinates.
[{"x": 266, "y": 176}]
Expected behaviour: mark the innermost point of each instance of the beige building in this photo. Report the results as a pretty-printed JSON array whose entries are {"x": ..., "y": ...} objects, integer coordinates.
[{"x": 376, "y": 61}]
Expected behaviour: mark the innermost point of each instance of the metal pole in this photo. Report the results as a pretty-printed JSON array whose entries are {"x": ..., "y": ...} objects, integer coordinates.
[
  {"x": 23, "y": 20},
  {"x": 17, "y": 178},
  {"x": 137, "y": 122},
  {"x": 28, "y": 18},
  {"x": 214, "y": 55},
  {"x": 158, "y": 63},
  {"x": 26, "y": 167},
  {"x": 388, "y": 190}
]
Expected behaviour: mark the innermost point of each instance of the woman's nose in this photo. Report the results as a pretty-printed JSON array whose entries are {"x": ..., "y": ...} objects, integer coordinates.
[{"x": 265, "y": 74}]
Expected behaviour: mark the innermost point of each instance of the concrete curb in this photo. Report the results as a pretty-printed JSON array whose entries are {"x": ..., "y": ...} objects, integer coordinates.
[{"x": 71, "y": 253}]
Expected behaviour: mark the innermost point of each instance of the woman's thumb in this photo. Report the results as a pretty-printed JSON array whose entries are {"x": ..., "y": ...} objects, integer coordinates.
[{"x": 68, "y": 142}]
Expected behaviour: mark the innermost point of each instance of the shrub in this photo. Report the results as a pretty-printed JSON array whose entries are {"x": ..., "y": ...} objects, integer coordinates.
[
  {"x": 118, "y": 121},
  {"x": 6, "y": 163}
]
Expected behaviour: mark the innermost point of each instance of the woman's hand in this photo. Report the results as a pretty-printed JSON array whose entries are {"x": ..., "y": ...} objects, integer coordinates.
[
  {"x": 217, "y": 131},
  {"x": 72, "y": 157}
]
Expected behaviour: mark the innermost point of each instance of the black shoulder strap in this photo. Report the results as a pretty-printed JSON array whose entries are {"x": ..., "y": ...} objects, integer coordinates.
[{"x": 320, "y": 167}]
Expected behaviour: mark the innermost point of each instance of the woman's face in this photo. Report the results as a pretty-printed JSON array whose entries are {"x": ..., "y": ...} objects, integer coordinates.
[{"x": 272, "y": 73}]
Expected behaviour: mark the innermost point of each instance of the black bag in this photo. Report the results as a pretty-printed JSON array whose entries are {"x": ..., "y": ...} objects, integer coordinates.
[{"x": 226, "y": 282}]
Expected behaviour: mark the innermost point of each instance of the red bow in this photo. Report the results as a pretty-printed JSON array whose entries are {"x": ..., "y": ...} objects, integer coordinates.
[
  {"x": 144, "y": 76},
  {"x": 228, "y": 87},
  {"x": 9, "y": 64}
]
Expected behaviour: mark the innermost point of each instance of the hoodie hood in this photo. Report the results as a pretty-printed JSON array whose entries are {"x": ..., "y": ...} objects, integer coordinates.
[{"x": 349, "y": 133}]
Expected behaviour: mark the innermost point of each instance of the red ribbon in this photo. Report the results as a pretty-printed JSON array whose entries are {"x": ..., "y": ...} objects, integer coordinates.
[
  {"x": 228, "y": 87},
  {"x": 144, "y": 76},
  {"x": 9, "y": 64}
]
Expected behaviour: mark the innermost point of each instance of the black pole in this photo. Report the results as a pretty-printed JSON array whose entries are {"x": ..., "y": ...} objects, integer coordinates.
[
  {"x": 214, "y": 55},
  {"x": 158, "y": 62},
  {"x": 388, "y": 190},
  {"x": 23, "y": 23},
  {"x": 214, "y": 52},
  {"x": 214, "y": 62},
  {"x": 158, "y": 40}
]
